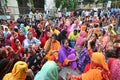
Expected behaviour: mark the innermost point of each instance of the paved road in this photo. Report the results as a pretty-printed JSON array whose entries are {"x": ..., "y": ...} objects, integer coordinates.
[{"x": 66, "y": 70}]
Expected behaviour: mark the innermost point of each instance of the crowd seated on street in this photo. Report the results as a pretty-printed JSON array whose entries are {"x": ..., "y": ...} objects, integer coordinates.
[{"x": 39, "y": 47}]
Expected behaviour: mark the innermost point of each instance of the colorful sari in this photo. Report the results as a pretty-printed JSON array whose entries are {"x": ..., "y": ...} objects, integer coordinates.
[
  {"x": 79, "y": 40},
  {"x": 18, "y": 72},
  {"x": 98, "y": 69},
  {"x": 53, "y": 46},
  {"x": 49, "y": 71},
  {"x": 21, "y": 38},
  {"x": 114, "y": 66},
  {"x": 66, "y": 54},
  {"x": 15, "y": 48},
  {"x": 84, "y": 59},
  {"x": 43, "y": 38}
]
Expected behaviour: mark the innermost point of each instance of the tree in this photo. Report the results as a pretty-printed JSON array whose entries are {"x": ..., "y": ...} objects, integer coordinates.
[
  {"x": 88, "y": 2},
  {"x": 69, "y": 4}
]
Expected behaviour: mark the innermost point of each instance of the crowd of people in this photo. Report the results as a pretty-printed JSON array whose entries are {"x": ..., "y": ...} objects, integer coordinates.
[{"x": 38, "y": 47}]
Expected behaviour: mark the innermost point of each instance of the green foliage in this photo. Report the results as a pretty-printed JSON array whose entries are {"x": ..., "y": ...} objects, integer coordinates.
[
  {"x": 32, "y": 3},
  {"x": 69, "y": 4},
  {"x": 6, "y": 3}
]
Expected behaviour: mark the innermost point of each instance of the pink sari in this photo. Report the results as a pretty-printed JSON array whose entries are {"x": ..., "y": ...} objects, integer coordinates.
[
  {"x": 81, "y": 38},
  {"x": 114, "y": 66}
]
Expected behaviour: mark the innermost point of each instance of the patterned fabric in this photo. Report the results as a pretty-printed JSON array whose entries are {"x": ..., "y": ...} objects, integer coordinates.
[
  {"x": 115, "y": 69},
  {"x": 84, "y": 59},
  {"x": 35, "y": 61}
]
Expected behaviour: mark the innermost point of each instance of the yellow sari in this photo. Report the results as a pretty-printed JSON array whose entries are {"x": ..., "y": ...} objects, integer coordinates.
[{"x": 18, "y": 72}]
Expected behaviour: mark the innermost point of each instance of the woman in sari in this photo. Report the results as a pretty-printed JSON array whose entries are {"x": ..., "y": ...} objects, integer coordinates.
[
  {"x": 98, "y": 69},
  {"x": 44, "y": 36},
  {"x": 18, "y": 72},
  {"x": 114, "y": 67},
  {"x": 52, "y": 47},
  {"x": 49, "y": 71},
  {"x": 17, "y": 47},
  {"x": 80, "y": 40},
  {"x": 21, "y": 36},
  {"x": 67, "y": 56}
]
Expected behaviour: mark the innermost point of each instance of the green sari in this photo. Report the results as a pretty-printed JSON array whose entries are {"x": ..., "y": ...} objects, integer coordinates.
[{"x": 49, "y": 71}]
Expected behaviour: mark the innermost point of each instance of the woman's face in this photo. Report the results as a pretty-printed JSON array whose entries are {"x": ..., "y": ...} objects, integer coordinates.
[
  {"x": 66, "y": 44},
  {"x": 21, "y": 33},
  {"x": 53, "y": 39},
  {"x": 17, "y": 42}
]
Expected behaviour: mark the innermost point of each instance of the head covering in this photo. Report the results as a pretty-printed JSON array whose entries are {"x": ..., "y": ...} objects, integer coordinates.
[
  {"x": 97, "y": 73},
  {"x": 49, "y": 71},
  {"x": 99, "y": 59},
  {"x": 22, "y": 26},
  {"x": 33, "y": 32},
  {"x": 80, "y": 39},
  {"x": 18, "y": 72},
  {"x": 83, "y": 27},
  {"x": 100, "y": 62}
]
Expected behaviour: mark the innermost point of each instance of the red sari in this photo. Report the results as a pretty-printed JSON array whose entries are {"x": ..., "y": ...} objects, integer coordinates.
[
  {"x": 21, "y": 38},
  {"x": 43, "y": 39},
  {"x": 15, "y": 48}
]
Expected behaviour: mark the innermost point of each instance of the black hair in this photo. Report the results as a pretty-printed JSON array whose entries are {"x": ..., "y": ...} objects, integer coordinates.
[
  {"x": 75, "y": 30},
  {"x": 103, "y": 31},
  {"x": 63, "y": 41},
  {"x": 55, "y": 36},
  {"x": 96, "y": 35},
  {"x": 15, "y": 40},
  {"x": 96, "y": 25}
]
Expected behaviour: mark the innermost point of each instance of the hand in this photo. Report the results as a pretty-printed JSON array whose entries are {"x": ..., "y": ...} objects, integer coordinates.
[
  {"x": 77, "y": 57},
  {"x": 49, "y": 34},
  {"x": 19, "y": 48},
  {"x": 91, "y": 39},
  {"x": 9, "y": 48},
  {"x": 53, "y": 51}
]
